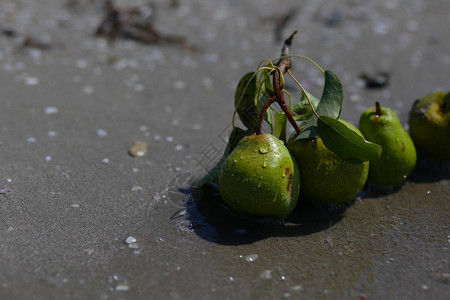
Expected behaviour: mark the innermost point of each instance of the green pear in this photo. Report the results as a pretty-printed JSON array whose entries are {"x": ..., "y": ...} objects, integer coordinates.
[
  {"x": 324, "y": 176},
  {"x": 429, "y": 125},
  {"x": 260, "y": 178},
  {"x": 381, "y": 125}
]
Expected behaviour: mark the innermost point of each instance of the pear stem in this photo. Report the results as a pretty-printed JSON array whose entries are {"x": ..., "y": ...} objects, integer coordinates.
[
  {"x": 304, "y": 92},
  {"x": 263, "y": 112},
  {"x": 378, "y": 108},
  {"x": 278, "y": 84}
]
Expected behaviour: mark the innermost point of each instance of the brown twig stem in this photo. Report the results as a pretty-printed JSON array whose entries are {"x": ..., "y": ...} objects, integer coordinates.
[{"x": 278, "y": 96}]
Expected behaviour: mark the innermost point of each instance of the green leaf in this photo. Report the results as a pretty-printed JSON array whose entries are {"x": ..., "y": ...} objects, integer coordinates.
[
  {"x": 332, "y": 97},
  {"x": 265, "y": 77},
  {"x": 264, "y": 91},
  {"x": 251, "y": 95},
  {"x": 345, "y": 142},
  {"x": 213, "y": 175},
  {"x": 330, "y": 105},
  {"x": 245, "y": 98},
  {"x": 280, "y": 125},
  {"x": 302, "y": 110}
]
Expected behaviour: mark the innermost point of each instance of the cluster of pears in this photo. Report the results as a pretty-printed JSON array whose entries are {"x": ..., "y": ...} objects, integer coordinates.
[{"x": 265, "y": 178}]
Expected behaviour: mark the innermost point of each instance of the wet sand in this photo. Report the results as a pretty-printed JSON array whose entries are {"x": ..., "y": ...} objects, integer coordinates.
[{"x": 74, "y": 198}]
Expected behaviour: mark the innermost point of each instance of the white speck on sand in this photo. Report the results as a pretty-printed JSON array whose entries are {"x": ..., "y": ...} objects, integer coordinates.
[
  {"x": 122, "y": 287},
  {"x": 130, "y": 240},
  {"x": 49, "y": 110},
  {"x": 251, "y": 257},
  {"x": 179, "y": 84},
  {"x": 136, "y": 188},
  {"x": 101, "y": 133},
  {"x": 30, "y": 81}
]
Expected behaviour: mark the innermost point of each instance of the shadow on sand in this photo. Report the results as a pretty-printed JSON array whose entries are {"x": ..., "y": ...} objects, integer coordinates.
[
  {"x": 213, "y": 221},
  {"x": 426, "y": 171},
  {"x": 429, "y": 170},
  {"x": 207, "y": 215}
]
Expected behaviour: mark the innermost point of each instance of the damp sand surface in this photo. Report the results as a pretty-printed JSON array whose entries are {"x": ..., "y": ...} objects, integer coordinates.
[{"x": 81, "y": 218}]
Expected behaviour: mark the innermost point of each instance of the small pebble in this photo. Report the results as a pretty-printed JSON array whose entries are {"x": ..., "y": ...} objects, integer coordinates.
[
  {"x": 297, "y": 288},
  {"x": 179, "y": 84},
  {"x": 138, "y": 149},
  {"x": 81, "y": 64},
  {"x": 266, "y": 274},
  {"x": 49, "y": 110},
  {"x": 88, "y": 89},
  {"x": 130, "y": 240},
  {"x": 30, "y": 81},
  {"x": 139, "y": 87},
  {"x": 362, "y": 296},
  {"x": 251, "y": 257},
  {"x": 101, "y": 133},
  {"x": 136, "y": 188},
  {"x": 122, "y": 287},
  {"x": 196, "y": 126}
]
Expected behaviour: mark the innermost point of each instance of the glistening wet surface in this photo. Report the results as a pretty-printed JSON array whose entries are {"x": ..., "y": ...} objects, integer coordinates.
[{"x": 81, "y": 218}]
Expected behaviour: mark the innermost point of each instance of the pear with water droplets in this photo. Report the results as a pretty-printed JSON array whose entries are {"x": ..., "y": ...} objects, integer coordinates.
[
  {"x": 381, "y": 125},
  {"x": 429, "y": 125},
  {"x": 325, "y": 177},
  {"x": 260, "y": 178}
]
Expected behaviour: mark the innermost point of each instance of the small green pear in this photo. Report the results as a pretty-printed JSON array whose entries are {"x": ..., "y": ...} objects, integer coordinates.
[
  {"x": 324, "y": 176},
  {"x": 429, "y": 125},
  {"x": 260, "y": 178},
  {"x": 381, "y": 125}
]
